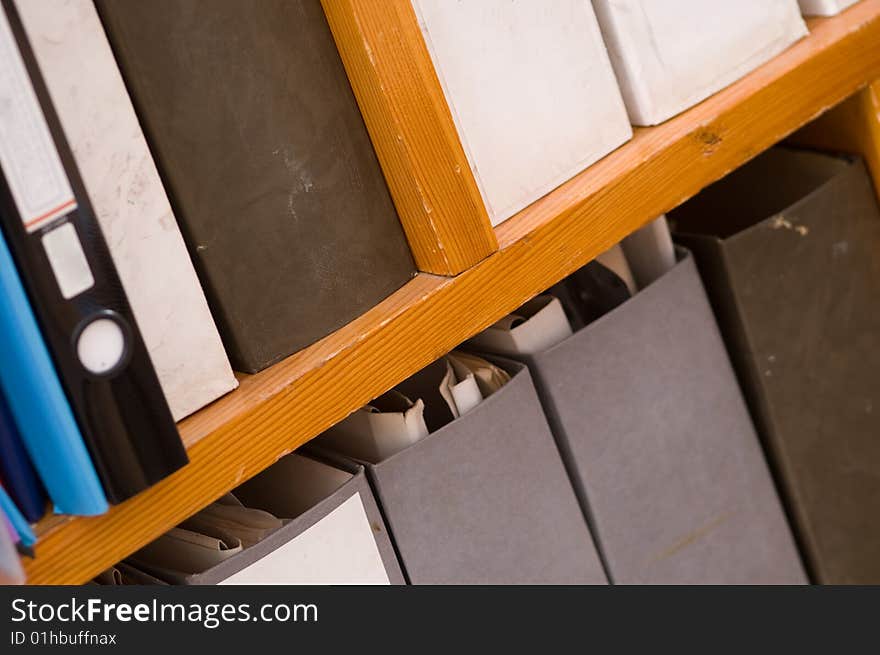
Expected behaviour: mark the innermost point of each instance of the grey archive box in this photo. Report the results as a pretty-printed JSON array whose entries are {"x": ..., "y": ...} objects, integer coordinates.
[
  {"x": 646, "y": 409},
  {"x": 486, "y": 500},
  {"x": 789, "y": 245},
  {"x": 333, "y": 532}
]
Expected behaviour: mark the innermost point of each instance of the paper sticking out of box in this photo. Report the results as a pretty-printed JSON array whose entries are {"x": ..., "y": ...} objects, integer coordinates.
[{"x": 650, "y": 252}]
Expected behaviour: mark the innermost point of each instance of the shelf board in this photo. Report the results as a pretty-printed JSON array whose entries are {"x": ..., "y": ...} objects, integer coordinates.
[
  {"x": 277, "y": 410},
  {"x": 412, "y": 130}
]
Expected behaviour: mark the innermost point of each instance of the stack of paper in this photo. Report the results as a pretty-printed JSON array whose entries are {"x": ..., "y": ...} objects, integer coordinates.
[
  {"x": 203, "y": 541},
  {"x": 586, "y": 295},
  {"x": 441, "y": 393},
  {"x": 301, "y": 521}
]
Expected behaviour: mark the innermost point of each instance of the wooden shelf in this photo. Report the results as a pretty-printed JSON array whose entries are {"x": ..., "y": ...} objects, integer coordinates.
[
  {"x": 412, "y": 131},
  {"x": 281, "y": 408}
]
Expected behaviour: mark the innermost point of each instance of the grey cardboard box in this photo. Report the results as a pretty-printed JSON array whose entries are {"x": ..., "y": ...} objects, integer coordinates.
[
  {"x": 647, "y": 412},
  {"x": 486, "y": 500},
  {"x": 789, "y": 246},
  {"x": 267, "y": 162},
  {"x": 342, "y": 537}
]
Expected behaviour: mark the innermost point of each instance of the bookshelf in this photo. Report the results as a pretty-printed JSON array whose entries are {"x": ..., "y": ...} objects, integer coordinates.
[{"x": 277, "y": 410}]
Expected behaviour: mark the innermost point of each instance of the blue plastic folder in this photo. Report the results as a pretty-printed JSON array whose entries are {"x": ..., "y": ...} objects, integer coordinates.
[
  {"x": 16, "y": 519},
  {"x": 17, "y": 474},
  {"x": 38, "y": 404}
]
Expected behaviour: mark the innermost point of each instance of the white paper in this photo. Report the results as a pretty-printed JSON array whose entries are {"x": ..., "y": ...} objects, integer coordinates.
[
  {"x": 183, "y": 552},
  {"x": 447, "y": 385},
  {"x": 459, "y": 389},
  {"x": 489, "y": 377},
  {"x": 249, "y": 525},
  {"x": 466, "y": 394},
  {"x": 30, "y": 162},
  {"x": 373, "y": 434},
  {"x": 650, "y": 251},
  {"x": 536, "y": 326},
  {"x": 338, "y": 550},
  {"x": 616, "y": 261}
]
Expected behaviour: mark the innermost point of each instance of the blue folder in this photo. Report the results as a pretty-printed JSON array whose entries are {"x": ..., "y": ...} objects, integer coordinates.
[
  {"x": 17, "y": 474},
  {"x": 38, "y": 404},
  {"x": 16, "y": 519}
]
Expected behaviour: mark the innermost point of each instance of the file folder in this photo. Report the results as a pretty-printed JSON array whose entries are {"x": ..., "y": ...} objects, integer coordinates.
[
  {"x": 17, "y": 473},
  {"x": 788, "y": 245},
  {"x": 129, "y": 201},
  {"x": 657, "y": 439},
  {"x": 485, "y": 498},
  {"x": 73, "y": 287},
  {"x": 327, "y": 530},
  {"x": 38, "y": 404}
]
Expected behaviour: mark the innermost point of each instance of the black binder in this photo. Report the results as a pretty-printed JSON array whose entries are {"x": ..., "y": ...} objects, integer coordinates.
[{"x": 83, "y": 311}]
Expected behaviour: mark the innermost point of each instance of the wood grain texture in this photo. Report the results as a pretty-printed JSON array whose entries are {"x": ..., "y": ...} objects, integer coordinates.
[
  {"x": 413, "y": 133},
  {"x": 280, "y": 408},
  {"x": 853, "y": 126}
]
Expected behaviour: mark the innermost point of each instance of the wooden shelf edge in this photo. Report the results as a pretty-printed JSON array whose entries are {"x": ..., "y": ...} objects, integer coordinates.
[
  {"x": 281, "y": 408},
  {"x": 413, "y": 133}
]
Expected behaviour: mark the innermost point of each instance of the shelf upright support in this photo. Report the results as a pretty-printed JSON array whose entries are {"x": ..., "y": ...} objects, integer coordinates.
[
  {"x": 853, "y": 127},
  {"x": 412, "y": 129}
]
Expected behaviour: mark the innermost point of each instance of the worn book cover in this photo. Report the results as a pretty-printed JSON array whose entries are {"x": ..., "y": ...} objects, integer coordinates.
[
  {"x": 788, "y": 245},
  {"x": 267, "y": 163}
]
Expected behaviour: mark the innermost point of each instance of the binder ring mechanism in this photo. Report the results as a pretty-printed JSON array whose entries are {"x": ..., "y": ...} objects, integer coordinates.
[{"x": 103, "y": 343}]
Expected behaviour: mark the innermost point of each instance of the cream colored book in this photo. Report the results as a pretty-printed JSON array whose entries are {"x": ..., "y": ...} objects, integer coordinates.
[
  {"x": 531, "y": 91},
  {"x": 129, "y": 200},
  {"x": 671, "y": 54}
]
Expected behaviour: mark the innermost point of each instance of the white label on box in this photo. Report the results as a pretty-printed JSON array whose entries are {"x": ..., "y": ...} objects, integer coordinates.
[
  {"x": 68, "y": 260},
  {"x": 28, "y": 157},
  {"x": 339, "y": 549}
]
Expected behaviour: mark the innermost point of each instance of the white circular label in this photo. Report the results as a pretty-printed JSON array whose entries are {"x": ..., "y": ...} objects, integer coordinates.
[{"x": 101, "y": 345}]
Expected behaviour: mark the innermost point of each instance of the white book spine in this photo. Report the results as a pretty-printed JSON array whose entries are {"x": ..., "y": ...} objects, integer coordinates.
[{"x": 129, "y": 200}]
